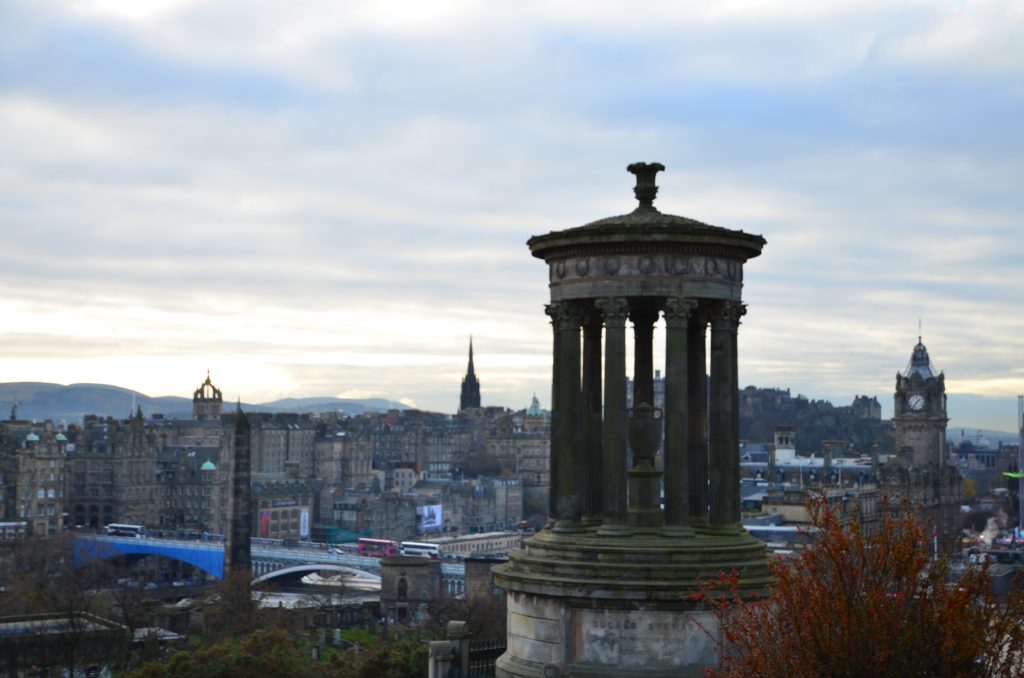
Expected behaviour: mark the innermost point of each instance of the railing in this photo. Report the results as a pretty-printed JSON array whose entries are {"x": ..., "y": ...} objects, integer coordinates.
[
  {"x": 274, "y": 553},
  {"x": 457, "y": 657},
  {"x": 483, "y": 654}
]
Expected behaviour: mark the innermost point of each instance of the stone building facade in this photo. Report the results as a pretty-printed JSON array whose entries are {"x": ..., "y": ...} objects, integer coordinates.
[
  {"x": 282, "y": 508},
  {"x": 388, "y": 515},
  {"x": 408, "y": 586},
  {"x": 172, "y": 474},
  {"x": 283, "y": 443},
  {"x": 111, "y": 472},
  {"x": 32, "y": 477}
]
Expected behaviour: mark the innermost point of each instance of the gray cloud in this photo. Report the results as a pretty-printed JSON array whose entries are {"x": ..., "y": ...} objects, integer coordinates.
[{"x": 328, "y": 192}]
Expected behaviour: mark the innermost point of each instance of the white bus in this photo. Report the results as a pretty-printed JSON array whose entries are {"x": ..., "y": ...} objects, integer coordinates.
[
  {"x": 422, "y": 549},
  {"x": 125, "y": 530},
  {"x": 480, "y": 544}
]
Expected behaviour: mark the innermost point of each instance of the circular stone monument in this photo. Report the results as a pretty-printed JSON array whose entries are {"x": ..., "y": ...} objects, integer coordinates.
[{"x": 605, "y": 588}]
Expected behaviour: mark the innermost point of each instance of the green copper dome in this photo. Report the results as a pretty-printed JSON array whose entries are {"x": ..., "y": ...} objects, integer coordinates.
[{"x": 534, "y": 409}]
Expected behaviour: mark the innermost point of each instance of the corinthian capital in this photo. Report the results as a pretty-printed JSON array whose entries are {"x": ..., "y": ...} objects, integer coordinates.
[
  {"x": 614, "y": 310},
  {"x": 725, "y": 315},
  {"x": 678, "y": 311},
  {"x": 564, "y": 315}
]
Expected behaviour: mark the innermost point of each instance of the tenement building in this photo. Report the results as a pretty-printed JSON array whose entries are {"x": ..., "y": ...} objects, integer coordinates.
[
  {"x": 604, "y": 589},
  {"x": 111, "y": 469},
  {"x": 32, "y": 481}
]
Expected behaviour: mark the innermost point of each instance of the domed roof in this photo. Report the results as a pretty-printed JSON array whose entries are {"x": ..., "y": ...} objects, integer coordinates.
[
  {"x": 920, "y": 363},
  {"x": 647, "y": 226},
  {"x": 534, "y": 409},
  {"x": 208, "y": 466},
  {"x": 32, "y": 438},
  {"x": 61, "y": 438}
]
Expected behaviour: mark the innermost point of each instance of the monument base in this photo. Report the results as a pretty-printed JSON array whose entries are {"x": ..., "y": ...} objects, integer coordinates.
[{"x": 586, "y": 605}]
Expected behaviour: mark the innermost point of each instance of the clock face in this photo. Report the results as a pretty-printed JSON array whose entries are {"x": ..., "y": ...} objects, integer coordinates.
[{"x": 916, "y": 402}]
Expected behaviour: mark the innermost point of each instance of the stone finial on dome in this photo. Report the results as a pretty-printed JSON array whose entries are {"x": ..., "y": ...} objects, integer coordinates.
[{"x": 646, "y": 190}]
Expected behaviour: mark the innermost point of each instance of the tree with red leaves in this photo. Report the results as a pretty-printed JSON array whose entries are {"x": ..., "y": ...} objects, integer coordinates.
[{"x": 874, "y": 603}]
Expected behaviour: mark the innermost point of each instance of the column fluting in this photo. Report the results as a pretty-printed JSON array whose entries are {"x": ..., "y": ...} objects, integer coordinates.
[
  {"x": 697, "y": 417},
  {"x": 724, "y": 418},
  {"x": 566, "y": 418},
  {"x": 614, "y": 311},
  {"x": 678, "y": 312},
  {"x": 591, "y": 478}
]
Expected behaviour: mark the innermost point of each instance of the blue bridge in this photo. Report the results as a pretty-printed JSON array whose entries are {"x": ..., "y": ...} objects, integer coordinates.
[{"x": 268, "y": 562}]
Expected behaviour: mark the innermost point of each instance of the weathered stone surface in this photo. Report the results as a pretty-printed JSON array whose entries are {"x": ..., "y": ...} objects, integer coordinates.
[
  {"x": 644, "y": 638},
  {"x": 534, "y": 651},
  {"x": 545, "y": 630},
  {"x": 610, "y": 595}
]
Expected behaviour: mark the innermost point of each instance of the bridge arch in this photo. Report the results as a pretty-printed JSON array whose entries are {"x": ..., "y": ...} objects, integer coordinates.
[
  {"x": 90, "y": 548},
  {"x": 359, "y": 576}
]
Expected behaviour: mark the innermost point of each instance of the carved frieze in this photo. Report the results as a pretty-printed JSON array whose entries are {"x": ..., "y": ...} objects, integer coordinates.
[{"x": 693, "y": 267}]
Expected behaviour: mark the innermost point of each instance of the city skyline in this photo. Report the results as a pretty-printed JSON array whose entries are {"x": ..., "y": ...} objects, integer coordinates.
[{"x": 330, "y": 201}]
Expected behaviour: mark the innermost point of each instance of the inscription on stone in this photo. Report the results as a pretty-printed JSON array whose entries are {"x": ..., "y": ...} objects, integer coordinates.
[{"x": 641, "y": 638}]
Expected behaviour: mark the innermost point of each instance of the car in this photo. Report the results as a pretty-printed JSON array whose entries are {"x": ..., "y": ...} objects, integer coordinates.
[{"x": 151, "y": 586}]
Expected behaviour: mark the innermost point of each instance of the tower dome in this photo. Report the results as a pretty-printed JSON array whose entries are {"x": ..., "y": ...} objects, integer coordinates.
[{"x": 920, "y": 363}]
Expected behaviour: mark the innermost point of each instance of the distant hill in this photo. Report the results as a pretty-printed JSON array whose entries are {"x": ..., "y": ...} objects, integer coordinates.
[{"x": 40, "y": 401}]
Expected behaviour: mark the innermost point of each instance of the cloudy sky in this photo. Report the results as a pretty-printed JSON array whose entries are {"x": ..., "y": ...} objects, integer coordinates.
[{"x": 328, "y": 198}]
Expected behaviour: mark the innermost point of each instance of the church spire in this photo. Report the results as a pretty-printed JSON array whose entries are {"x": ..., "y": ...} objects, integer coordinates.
[{"x": 470, "y": 396}]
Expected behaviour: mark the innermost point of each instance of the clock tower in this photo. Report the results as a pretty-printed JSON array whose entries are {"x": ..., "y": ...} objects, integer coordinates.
[{"x": 919, "y": 417}]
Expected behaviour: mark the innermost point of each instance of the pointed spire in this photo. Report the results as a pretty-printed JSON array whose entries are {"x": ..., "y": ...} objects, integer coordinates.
[{"x": 470, "y": 396}]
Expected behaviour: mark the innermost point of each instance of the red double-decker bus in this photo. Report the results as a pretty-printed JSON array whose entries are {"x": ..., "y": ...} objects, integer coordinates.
[{"x": 377, "y": 548}]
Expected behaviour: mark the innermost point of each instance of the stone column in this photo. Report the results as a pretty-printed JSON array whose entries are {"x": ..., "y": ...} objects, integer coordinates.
[
  {"x": 565, "y": 420},
  {"x": 591, "y": 477},
  {"x": 552, "y": 459},
  {"x": 614, "y": 311},
  {"x": 697, "y": 418},
  {"x": 725, "y": 419},
  {"x": 677, "y": 320}
]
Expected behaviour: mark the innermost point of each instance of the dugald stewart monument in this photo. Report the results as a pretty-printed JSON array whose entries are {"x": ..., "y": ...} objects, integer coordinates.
[{"x": 605, "y": 588}]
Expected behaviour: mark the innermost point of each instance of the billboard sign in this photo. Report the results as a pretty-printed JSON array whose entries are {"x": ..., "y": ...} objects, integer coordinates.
[
  {"x": 304, "y": 524},
  {"x": 429, "y": 517}
]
